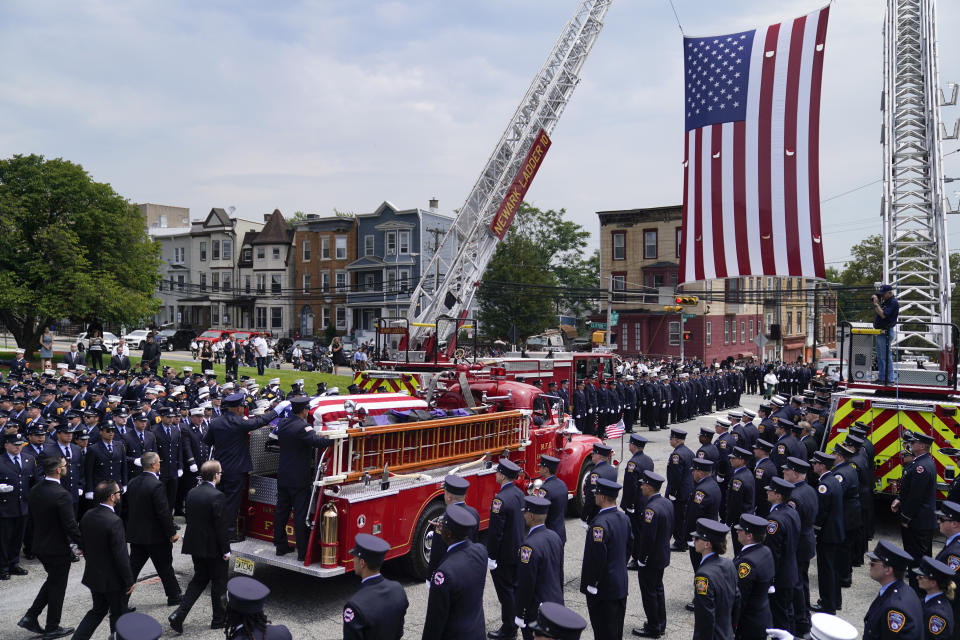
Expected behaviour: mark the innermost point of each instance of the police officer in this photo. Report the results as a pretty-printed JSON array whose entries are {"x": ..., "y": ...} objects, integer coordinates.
[
  {"x": 803, "y": 499},
  {"x": 742, "y": 490},
  {"x": 829, "y": 527},
  {"x": 378, "y": 607},
  {"x": 295, "y": 471},
  {"x": 601, "y": 469},
  {"x": 455, "y": 601},
  {"x": 949, "y": 518},
  {"x": 556, "y": 622},
  {"x": 540, "y": 567},
  {"x": 454, "y": 492},
  {"x": 554, "y": 490},
  {"x": 651, "y": 552},
  {"x": 783, "y": 531},
  {"x": 17, "y": 475},
  {"x": 228, "y": 434},
  {"x": 755, "y": 570},
  {"x": 763, "y": 472},
  {"x": 603, "y": 575},
  {"x": 716, "y": 597},
  {"x": 679, "y": 486},
  {"x": 936, "y": 580},
  {"x": 896, "y": 612},
  {"x": 503, "y": 543},
  {"x": 917, "y": 501}
]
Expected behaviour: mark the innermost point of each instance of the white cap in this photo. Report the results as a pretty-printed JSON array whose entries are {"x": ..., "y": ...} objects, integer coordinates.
[
  {"x": 206, "y": 405},
  {"x": 20, "y": 350},
  {"x": 824, "y": 626},
  {"x": 723, "y": 422},
  {"x": 188, "y": 369},
  {"x": 49, "y": 372},
  {"x": 298, "y": 381},
  {"x": 209, "y": 372},
  {"x": 227, "y": 386},
  {"x": 61, "y": 365},
  {"x": 80, "y": 367},
  {"x": 274, "y": 381},
  {"x": 113, "y": 398},
  {"x": 196, "y": 411}
]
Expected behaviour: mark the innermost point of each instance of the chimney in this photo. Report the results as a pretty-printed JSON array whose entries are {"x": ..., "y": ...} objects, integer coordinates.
[{"x": 434, "y": 204}]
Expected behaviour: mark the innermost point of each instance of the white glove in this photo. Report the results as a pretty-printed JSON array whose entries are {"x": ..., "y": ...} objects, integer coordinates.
[
  {"x": 136, "y": 461},
  {"x": 226, "y": 556},
  {"x": 491, "y": 564},
  {"x": 428, "y": 582},
  {"x": 641, "y": 564},
  {"x": 88, "y": 495},
  {"x": 584, "y": 525},
  {"x": 80, "y": 492},
  {"x": 193, "y": 468},
  {"x": 280, "y": 407},
  {"x": 779, "y": 634},
  {"x": 179, "y": 472},
  {"x": 123, "y": 488},
  {"x": 6, "y": 488},
  {"x": 771, "y": 589},
  {"x": 592, "y": 591},
  {"x": 519, "y": 622}
]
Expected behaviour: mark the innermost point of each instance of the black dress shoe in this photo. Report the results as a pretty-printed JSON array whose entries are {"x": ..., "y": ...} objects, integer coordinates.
[
  {"x": 4, "y": 575},
  {"x": 59, "y": 632},
  {"x": 632, "y": 565},
  {"x": 29, "y": 556},
  {"x": 676, "y": 547},
  {"x": 818, "y": 608},
  {"x": 689, "y": 606},
  {"x": 176, "y": 622},
  {"x": 643, "y": 632},
  {"x": 129, "y": 610},
  {"x": 218, "y": 624},
  {"x": 175, "y": 600},
  {"x": 502, "y": 634},
  {"x": 74, "y": 559},
  {"x": 30, "y": 624},
  {"x": 282, "y": 551},
  {"x": 17, "y": 570},
  {"x": 239, "y": 537}
]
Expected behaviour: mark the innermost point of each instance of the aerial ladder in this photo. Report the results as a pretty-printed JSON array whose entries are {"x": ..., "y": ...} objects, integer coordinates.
[{"x": 451, "y": 279}]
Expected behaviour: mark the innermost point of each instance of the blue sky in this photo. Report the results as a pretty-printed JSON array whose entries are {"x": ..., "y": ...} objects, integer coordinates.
[{"x": 320, "y": 105}]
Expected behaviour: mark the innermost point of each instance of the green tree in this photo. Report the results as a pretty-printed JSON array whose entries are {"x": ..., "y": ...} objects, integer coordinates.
[
  {"x": 72, "y": 248},
  {"x": 298, "y": 216}
]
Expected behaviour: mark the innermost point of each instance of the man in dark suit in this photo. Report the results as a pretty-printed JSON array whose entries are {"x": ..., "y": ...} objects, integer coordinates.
[
  {"x": 378, "y": 607},
  {"x": 150, "y": 528},
  {"x": 107, "y": 571},
  {"x": 16, "y": 477},
  {"x": 73, "y": 357},
  {"x": 51, "y": 511},
  {"x": 207, "y": 542},
  {"x": 295, "y": 475}
]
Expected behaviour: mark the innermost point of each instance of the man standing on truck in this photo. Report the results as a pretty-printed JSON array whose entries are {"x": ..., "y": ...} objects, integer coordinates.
[
  {"x": 887, "y": 309},
  {"x": 503, "y": 544}
]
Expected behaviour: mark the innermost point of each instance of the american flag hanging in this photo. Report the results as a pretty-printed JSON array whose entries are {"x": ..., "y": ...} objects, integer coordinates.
[{"x": 751, "y": 187}]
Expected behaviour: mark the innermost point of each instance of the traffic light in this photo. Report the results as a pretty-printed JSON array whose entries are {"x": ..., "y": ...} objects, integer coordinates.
[
  {"x": 673, "y": 308},
  {"x": 687, "y": 336},
  {"x": 687, "y": 300}
]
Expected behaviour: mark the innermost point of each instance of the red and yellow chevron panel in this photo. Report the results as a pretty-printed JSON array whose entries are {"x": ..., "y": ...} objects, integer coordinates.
[{"x": 387, "y": 382}]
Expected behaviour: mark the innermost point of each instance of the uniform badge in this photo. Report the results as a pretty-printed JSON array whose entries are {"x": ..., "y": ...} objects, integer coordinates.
[
  {"x": 822, "y": 488},
  {"x": 772, "y": 527},
  {"x": 542, "y": 493},
  {"x": 438, "y": 578},
  {"x": 598, "y": 534},
  {"x": 736, "y": 485},
  {"x": 495, "y": 505},
  {"x": 698, "y": 497},
  {"x": 593, "y": 478},
  {"x": 895, "y": 620},
  {"x": 701, "y": 584},
  {"x": 83, "y": 404},
  {"x": 781, "y": 449},
  {"x": 525, "y": 552},
  {"x": 675, "y": 458},
  {"x": 648, "y": 515},
  {"x": 937, "y": 625},
  {"x": 774, "y": 419},
  {"x": 758, "y": 472},
  {"x": 348, "y": 615},
  {"x": 700, "y": 454},
  {"x": 839, "y": 478},
  {"x": 920, "y": 468},
  {"x": 631, "y": 466},
  {"x": 953, "y": 562},
  {"x": 743, "y": 569},
  {"x": 723, "y": 444}
]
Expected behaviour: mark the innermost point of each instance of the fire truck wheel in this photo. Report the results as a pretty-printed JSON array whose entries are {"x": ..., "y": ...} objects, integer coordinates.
[
  {"x": 416, "y": 560},
  {"x": 576, "y": 505}
]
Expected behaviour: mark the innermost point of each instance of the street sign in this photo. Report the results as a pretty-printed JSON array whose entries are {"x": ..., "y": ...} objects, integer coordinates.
[
  {"x": 689, "y": 316},
  {"x": 614, "y": 318},
  {"x": 760, "y": 340},
  {"x": 598, "y": 325}
]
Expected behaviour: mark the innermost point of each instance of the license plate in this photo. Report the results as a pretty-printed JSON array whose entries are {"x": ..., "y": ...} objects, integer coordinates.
[{"x": 243, "y": 566}]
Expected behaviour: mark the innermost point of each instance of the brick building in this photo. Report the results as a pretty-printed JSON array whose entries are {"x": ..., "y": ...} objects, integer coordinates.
[{"x": 322, "y": 249}]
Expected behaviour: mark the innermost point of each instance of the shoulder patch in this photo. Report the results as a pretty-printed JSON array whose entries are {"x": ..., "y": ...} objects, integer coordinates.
[
  {"x": 675, "y": 458},
  {"x": 936, "y": 624},
  {"x": 648, "y": 515},
  {"x": 953, "y": 562},
  {"x": 822, "y": 488},
  {"x": 593, "y": 478},
  {"x": 772, "y": 526},
  {"x": 781, "y": 448},
  {"x": 438, "y": 578},
  {"x": 631, "y": 466},
  {"x": 919, "y": 468},
  {"x": 598, "y": 534},
  {"x": 525, "y": 553},
  {"x": 698, "y": 497},
  {"x": 348, "y": 615},
  {"x": 700, "y": 454},
  {"x": 542, "y": 493},
  {"x": 722, "y": 444},
  {"x": 495, "y": 505},
  {"x": 792, "y": 504},
  {"x": 701, "y": 584},
  {"x": 854, "y": 465},
  {"x": 736, "y": 484},
  {"x": 895, "y": 620},
  {"x": 743, "y": 570},
  {"x": 758, "y": 472}
]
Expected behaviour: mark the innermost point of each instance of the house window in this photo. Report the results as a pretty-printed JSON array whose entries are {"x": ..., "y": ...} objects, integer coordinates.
[
  {"x": 679, "y": 240},
  {"x": 216, "y": 281},
  {"x": 275, "y": 284},
  {"x": 743, "y": 332},
  {"x": 709, "y": 333},
  {"x": 369, "y": 282},
  {"x": 216, "y": 250},
  {"x": 391, "y": 280},
  {"x": 799, "y": 321},
  {"x": 325, "y": 282},
  {"x": 261, "y": 253},
  {"x": 789, "y": 322},
  {"x": 276, "y": 317},
  {"x": 404, "y": 280},
  {"x": 391, "y": 243},
  {"x": 769, "y": 286},
  {"x": 325, "y": 248},
  {"x": 341, "y": 247},
  {"x": 650, "y": 244},
  {"x": 341, "y": 317},
  {"x": 261, "y": 285},
  {"x": 618, "y": 283},
  {"x": 619, "y": 245},
  {"x": 246, "y": 284},
  {"x": 726, "y": 332},
  {"x": 658, "y": 280},
  {"x": 215, "y": 313},
  {"x": 636, "y": 336},
  {"x": 276, "y": 253},
  {"x": 341, "y": 280},
  {"x": 306, "y": 283},
  {"x": 203, "y": 251},
  {"x": 180, "y": 283},
  {"x": 751, "y": 330},
  {"x": 789, "y": 289},
  {"x": 178, "y": 255},
  {"x": 261, "y": 317},
  {"x": 674, "y": 334},
  {"x": 306, "y": 249},
  {"x": 227, "y": 249},
  {"x": 324, "y": 317},
  {"x": 404, "y": 242},
  {"x": 203, "y": 282},
  {"x": 226, "y": 281},
  {"x": 368, "y": 245}
]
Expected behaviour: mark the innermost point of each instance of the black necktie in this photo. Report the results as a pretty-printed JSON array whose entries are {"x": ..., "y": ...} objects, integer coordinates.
[
  {"x": 140, "y": 433},
  {"x": 110, "y": 449},
  {"x": 66, "y": 452},
  {"x": 16, "y": 461}
]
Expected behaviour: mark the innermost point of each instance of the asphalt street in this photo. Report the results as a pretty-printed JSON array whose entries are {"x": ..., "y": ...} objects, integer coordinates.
[{"x": 312, "y": 607}]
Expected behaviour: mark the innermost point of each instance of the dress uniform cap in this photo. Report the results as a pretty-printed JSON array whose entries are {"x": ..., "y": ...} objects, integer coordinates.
[
  {"x": 702, "y": 464},
  {"x": 763, "y": 444},
  {"x": 860, "y": 432},
  {"x": 550, "y": 462},
  {"x": 781, "y": 486},
  {"x": 822, "y": 457},
  {"x": 536, "y": 505},
  {"x": 233, "y": 400},
  {"x": 797, "y": 399},
  {"x": 608, "y": 488},
  {"x": 167, "y": 412},
  {"x": 743, "y": 454},
  {"x": 81, "y": 435},
  {"x": 949, "y": 510},
  {"x": 557, "y": 622},
  {"x": 710, "y": 530},
  {"x": 778, "y": 402},
  {"x": 909, "y": 436},
  {"x": 210, "y": 373},
  {"x": 924, "y": 438},
  {"x": 602, "y": 449},
  {"x": 844, "y": 450},
  {"x": 824, "y": 626},
  {"x": 798, "y": 465},
  {"x": 37, "y": 429},
  {"x": 934, "y": 569},
  {"x": 370, "y": 548},
  {"x": 766, "y": 406},
  {"x": 751, "y": 523},
  {"x": 140, "y": 416},
  {"x": 891, "y": 555},
  {"x": 196, "y": 411},
  {"x": 637, "y": 439},
  {"x": 750, "y": 414},
  {"x": 459, "y": 520},
  {"x": 508, "y": 468},
  {"x": 274, "y": 381},
  {"x": 786, "y": 424},
  {"x": 90, "y": 411},
  {"x": 734, "y": 415},
  {"x": 679, "y": 434},
  {"x": 299, "y": 404},
  {"x": 137, "y": 626},
  {"x": 108, "y": 426},
  {"x": 456, "y": 485},
  {"x": 655, "y": 480},
  {"x": 66, "y": 427},
  {"x": 246, "y": 595},
  {"x": 14, "y": 438},
  {"x": 855, "y": 441}
]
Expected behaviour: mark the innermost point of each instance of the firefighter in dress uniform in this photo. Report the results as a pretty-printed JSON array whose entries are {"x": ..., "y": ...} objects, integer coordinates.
[
  {"x": 829, "y": 527},
  {"x": 579, "y": 407},
  {"x": 896, "y": 612},
  {"x": 540, "y": 567},
  {"x": 679, "y": 486},
  {"x": 632, "y": 500},
  {"x": 936, "y": 583},
  {"x": 917, "y": 501},
  {"x": 454, "y": 492},
  {"x": 763, "y": 472},
  {"x": 742, "y": 490},
  {"x": 554, "y": 490},
  {"x": 783, "y": 532},
  {"x": 603, "y": 575},
  {"x": 601, "y": 469},
  {"x": 503, "y": 543},
  {"x": 849, "y": 481},
  {"x": 803, "y": 499},
  {"x": 755, "y": 571},
  {"x": 378, "y": 607},
  {"x": 948, "y": 517},
  {"x": 651, "y": 552},
  {"x": 716, "y": 594}
]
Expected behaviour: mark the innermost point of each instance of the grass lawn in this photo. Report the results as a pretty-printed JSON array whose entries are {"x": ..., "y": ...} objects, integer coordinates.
[{"x": 287, "y": 376}]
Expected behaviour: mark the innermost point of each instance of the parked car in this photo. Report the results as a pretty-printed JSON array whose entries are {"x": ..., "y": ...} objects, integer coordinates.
[
  {"x": 173, "y": 340},
  {"x": 110, "y": 340},
  {"x": 136, "y": 339},
  {"x": 214, "y": 336},
  {"x": 306, "y": 346}
]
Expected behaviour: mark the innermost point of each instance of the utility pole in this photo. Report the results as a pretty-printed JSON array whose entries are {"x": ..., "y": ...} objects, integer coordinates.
[
  {"x": 682, "y": 321},
  {"x": 609, "y": 309},
  {"x": 816, "y": 319}
]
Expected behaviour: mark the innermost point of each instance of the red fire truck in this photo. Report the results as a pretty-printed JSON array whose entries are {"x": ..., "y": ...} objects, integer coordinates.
[{"x": 384, "y": 474}]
